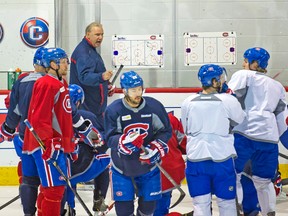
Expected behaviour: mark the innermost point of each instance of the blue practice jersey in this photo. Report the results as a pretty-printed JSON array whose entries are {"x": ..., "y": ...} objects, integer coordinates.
[
  {"x": 149, "y": 119},
  {"x": 19, "y": 101}
]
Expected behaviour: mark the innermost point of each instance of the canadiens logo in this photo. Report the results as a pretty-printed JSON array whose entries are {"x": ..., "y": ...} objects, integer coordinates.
[
  {"x": 1, "y": 32},
  {"x": 34, "y": 32},
  {"x": 66, "y": 104},
  {"x": 119, "y": 193},
  {"x": 140, "y": 128}
]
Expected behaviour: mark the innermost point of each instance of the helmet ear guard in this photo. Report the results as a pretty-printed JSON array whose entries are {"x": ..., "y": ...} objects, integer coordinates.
[
  {"x": 259, "y": 55},
  {"x": 209, "y": 72}
]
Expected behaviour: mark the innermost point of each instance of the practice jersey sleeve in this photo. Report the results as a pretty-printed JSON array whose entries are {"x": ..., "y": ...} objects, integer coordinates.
[
  {"x": 235, "y": 113},
  {"x": 13, "y": 116}
]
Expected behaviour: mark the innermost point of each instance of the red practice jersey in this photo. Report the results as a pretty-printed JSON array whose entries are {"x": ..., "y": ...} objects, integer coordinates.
[
  {"x": 173, "y": 162},
  {"x": 50, "y": 114}
]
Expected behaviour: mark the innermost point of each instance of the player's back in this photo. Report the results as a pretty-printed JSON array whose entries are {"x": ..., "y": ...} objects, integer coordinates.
[
  {"x": 207, "y": 121},
  {"x": 20, "y": 100},
  {"x": 262, "y": 98}
]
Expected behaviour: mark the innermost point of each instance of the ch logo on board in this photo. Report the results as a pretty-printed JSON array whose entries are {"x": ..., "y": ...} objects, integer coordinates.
[
  {"x": 34, "y": 32},
  {"x": 1, "y": 33}
]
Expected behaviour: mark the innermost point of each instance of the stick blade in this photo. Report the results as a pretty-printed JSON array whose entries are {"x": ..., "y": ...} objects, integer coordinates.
[{"x": 182, "y": 195}]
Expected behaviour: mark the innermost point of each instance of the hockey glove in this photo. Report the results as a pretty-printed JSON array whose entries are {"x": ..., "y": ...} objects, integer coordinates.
[
  {"x": 52, "y": 151},
  {"x": 74, "y": 155},
  {"x": 6, "y": 133},
  {"x": 111, "y": 89},
  {"x": 130, "y": 142},
  {"x": 225, "y": 89},
  {"x": 153, "y": 152},
  {"x": 91, "y": 135},
  {"x": 7, "y": 101}
]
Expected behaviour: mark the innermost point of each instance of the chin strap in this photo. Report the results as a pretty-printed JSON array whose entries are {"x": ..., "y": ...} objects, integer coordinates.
[{"x": 57, "y": 73}]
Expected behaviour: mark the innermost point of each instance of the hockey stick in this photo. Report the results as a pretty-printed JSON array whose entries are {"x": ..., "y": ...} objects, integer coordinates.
[
  {"x": 9, "y": 202},
  {"x": 110, "y": 206},
  {"x": 182, "y": 193},
  {"x": 42, "y": 145},
  {"x": 117, "y": 74},
  {"x": 283, "y": 156}
]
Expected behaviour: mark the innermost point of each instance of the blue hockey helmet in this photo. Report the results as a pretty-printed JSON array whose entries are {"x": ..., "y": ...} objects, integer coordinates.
[
  {"x": 53, "y": 54},
  {"x": 76, "y": 93},
  {"x": 130, "y": 79},
  {"x": 258, "y": 54},
  {"x": 38, "y": 56},
  {"x": 208, "y": 72}
]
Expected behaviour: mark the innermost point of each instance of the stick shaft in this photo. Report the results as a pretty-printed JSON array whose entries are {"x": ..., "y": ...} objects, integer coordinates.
[
  {"x": 169, "y": 177},
  {"x": 36, "y": 136},
  {"x": 117, "y": 74},
  {"x": 9, "y": 202}
]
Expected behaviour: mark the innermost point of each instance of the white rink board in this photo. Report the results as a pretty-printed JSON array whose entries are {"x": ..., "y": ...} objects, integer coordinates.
[
  {"x": 171, "y": 101},
  {"x": 210, "y": 47},
  {"x": 138, "y": 50}
]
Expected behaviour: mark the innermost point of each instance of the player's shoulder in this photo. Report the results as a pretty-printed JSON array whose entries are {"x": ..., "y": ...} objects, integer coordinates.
[
  {"x": 191, "y": 97},
  {"x": 114, "y": 104},
  {"x": 243, "y": 73},
  {"x": 152, "y": 101}
]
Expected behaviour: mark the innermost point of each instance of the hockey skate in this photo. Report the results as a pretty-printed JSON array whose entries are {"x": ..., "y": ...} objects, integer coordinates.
[
  {"x": 99, "y": 205},
  {"x": 69, "y": 212}
]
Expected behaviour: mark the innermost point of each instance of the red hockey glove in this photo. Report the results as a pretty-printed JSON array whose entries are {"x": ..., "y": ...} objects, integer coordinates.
[
  {"x": 6, "y": 133},
  {"x": 130, "y": 142},
  {"x": 91, "y": 135},
  {"x": 111, "y": 89},
  {"x": 52, "y": 151},
  {"x": 7, "y": 101},
  {"x": 153, "y": 152}
]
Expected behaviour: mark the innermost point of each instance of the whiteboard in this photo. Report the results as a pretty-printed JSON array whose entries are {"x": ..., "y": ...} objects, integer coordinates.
[
  {"x": 14, "y": 52},
  {"x": 210, "y": 47},
  {"x": 138, "y": 50}
]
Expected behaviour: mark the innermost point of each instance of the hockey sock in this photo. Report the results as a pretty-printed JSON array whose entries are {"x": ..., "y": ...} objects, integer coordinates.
[
  {"x": 124, "y": 208},
  {"x": 145, "y": 208},
  {"x": 266, "y": 194},
  {"x": 51, "y": 204}
]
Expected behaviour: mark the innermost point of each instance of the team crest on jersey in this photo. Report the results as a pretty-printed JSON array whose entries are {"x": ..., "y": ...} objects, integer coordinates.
[
  {"x": 119, "y": 193},
  {"x": 140, "y": 128},
  {"x": 1, "y": 33},
  {"x": 67, "y": 104},
  {"x": 34, "y": 32}
]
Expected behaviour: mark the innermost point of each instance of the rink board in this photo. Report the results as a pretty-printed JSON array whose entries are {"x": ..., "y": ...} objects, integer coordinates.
[{"x": 170, "y": 97}]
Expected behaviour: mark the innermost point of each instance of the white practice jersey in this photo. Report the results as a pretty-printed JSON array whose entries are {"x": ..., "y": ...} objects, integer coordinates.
[
  {"x": 263, "y": 100},
  {"x": 207, "y": 121}
]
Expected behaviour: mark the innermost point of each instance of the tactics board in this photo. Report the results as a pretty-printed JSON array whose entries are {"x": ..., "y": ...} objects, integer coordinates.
[
  {"x": 138, "y": 50},
  {"x": 210, "y": 47}
]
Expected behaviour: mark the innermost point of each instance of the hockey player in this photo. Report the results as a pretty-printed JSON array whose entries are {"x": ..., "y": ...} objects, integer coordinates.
[
  {"x": 207, "y": 119},
  {"x": 19, "y": 101},
  {"x": 50, "y": 115},
  {"x": 91, "y": 159},
  {"x": 256, "y": 138},
  {"x": 173, "y": 163},
  {"x": 131, "y": 123},
  {"x": 88, "y": 71}
]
